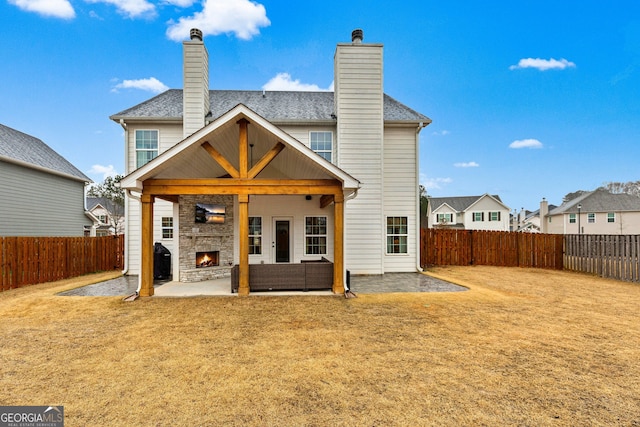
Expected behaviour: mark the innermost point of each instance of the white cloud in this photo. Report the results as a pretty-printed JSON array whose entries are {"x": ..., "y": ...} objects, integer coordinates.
[
  {"x": 105, "y": 171},
  {"x": 54, "y": 8},
  {"x": 543, "y": 64},
  {"x": 180, "y": 3},
  {"x": 283, "y": 81},
  {"x": 434, "y": 183},
  {"x": 241, "y": 17},
  {"x": 441, "y": 133},
  {"x": 151, "y": 84},
  {"x": 466, "y": 165},
  {"x": 526, "y": 143},
  {"x": 130, "y": 8}
]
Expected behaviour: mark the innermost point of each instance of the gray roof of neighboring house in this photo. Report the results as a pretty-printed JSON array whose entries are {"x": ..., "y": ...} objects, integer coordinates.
[
  {"x": 16, "y": 146},
  {"x": 599, "y": 201},
  {"x": 459, "y": 203},
  {"x": 107, "y": 204},
  {"x": 273, "y": 106}
]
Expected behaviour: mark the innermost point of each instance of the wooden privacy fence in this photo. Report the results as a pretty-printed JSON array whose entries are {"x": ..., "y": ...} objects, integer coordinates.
[
  {"x": 500, "y": 248},
  {"x": 31, "y": 260},
  {"x": 612, "y": 256}
]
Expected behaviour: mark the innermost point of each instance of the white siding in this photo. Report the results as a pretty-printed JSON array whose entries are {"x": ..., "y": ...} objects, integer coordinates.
[
  {"x": 487, "y": 205},
  {"x": 35, "y": 203},
  {"x": 401, "y": 193},
  {"x": 295, "y": 208},
  {"x": 358, "y": 99}
]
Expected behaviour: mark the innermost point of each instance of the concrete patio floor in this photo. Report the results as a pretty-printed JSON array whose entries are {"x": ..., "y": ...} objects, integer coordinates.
[{"x": 370, "y": 284}]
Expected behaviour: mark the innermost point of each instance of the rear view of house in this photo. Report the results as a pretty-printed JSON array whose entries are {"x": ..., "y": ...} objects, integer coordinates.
[
  {"x": 41, "y": 193},
  {"x": 258, "y": 177}
]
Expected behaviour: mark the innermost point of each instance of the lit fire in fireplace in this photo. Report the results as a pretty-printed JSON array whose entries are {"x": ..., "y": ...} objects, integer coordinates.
[{"x": 207, "y": 259}]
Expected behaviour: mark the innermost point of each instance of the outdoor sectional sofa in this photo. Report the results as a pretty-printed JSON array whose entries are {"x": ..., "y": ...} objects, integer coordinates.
[{"x": 306, "y": 276}]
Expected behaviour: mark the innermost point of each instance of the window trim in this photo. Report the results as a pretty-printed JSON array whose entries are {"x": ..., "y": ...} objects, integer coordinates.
[
  {"x": 323, "y": 151},
  {"x": 401, "y": 236},
  {"x": 146, "y": 150},
  {"x": 166, "y": 228},
  {"x": 321, "y": 247},
  {"x": 253, "y": 236}
]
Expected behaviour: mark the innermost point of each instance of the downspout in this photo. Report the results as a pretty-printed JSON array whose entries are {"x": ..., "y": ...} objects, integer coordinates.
[
  {"x": 126, "y": 221},
  {"x": 418, "y": 229}
]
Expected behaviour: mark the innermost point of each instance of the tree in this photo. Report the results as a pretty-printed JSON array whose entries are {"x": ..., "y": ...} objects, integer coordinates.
[
  {"x": 573, "y": 195},
  {"x": 424, "y": 202},
  {"x": 631, "y": 187},
  {"x": 111, "y": 191}
]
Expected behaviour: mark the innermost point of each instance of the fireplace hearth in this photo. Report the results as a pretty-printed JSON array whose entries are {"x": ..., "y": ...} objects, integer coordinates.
[{"x": 207, "y": 259}]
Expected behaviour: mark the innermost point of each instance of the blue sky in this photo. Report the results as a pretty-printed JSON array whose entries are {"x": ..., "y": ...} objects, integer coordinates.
[{"x": 529, "y": 99}]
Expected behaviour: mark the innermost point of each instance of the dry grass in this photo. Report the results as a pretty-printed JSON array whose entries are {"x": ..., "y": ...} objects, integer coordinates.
[{"x": 522, "y": 347}]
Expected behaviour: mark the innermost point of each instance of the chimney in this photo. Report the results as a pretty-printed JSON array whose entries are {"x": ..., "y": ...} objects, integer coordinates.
[
  {"x": 544, "y": 210},
  {"x": 358, "y": 108},
  {"x": 195, "y": 93},
  {"x": 357, "y": 36}
]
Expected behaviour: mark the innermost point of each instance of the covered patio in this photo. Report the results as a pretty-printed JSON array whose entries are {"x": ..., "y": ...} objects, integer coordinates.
[{"x": 218, "y": 160}]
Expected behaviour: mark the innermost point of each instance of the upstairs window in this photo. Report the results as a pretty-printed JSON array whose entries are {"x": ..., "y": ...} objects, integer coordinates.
[
  {"x": 494, "y": 216},
  {"x": 572, "y": 218},
  {"x": 478, "y": 216},
  {"x": 611, "y": 217},
  {"x": 322, "y": 143},
  {"x": 146, "y": 146},
  {"x": 444, "y": 218},
  {"x": 591, "y": 218}
]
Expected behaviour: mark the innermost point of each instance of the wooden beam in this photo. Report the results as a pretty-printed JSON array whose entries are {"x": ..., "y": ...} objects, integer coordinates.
[
  {"x": 338, "y": 245},
  {"x": 146, "y": 262},
  {"x": 222, "y": 161},
  {"x": 242, "y": 186},
  {"x": 326, "y": 200},
  {"x": 265, "y": 160},
  {"x": 243, "y": 224},
  {"x": 243, "y": 147}
]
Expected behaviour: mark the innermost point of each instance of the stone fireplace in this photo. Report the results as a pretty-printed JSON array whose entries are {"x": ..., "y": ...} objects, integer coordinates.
[{"x": 206, "y": 249}]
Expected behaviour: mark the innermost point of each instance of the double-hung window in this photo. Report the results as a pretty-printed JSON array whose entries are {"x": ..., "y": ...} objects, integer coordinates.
[
  {"x": 494, "y": 216},
  {"x": 315, "y": 235},
  {"x": 322, "y": 143},
  {"x": 167, "y": 227},
  {"x": 591, "y": 218},
  {"x": 572, "y": 218},
  {"x": 478, "y": 216},
  {"x": 397, "y": 235},
  {"x": 255, "y": 235},
  {"x": 611, "y": 217},
  {"x": 146, "y": 146}
]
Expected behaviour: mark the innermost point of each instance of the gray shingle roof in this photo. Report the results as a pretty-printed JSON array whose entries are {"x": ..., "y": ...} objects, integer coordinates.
[
  {"x": 459, "y": 203},
  {"x": 273, "y": 106},
  {"x": 23, "y": 148},
  {"x": 599, "y": 201}
]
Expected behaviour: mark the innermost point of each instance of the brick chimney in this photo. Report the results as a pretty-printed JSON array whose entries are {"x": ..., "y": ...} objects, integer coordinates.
[{"x": 195, "y": 94}]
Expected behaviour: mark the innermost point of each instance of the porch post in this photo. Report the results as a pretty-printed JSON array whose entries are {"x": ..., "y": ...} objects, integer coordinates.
[
  {"x": 243, "y": 279},
  {"x": 146, "y": 264},
  {"x": 338, "y": 244}
]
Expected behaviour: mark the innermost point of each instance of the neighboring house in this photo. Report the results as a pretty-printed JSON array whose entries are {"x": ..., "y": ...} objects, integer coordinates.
[
  {"x": 528, "y": 222},
  {"x": 250, "y": 177},
  {"x": 485, "y": 212},
  {"x": 595, "y": 212},
  {"x": 41, "y": 193},
  {"x": 109, "y": 218}
]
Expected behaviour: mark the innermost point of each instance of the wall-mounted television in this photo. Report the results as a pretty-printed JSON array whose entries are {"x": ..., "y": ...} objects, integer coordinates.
[{"x": 210, "y": 213}]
